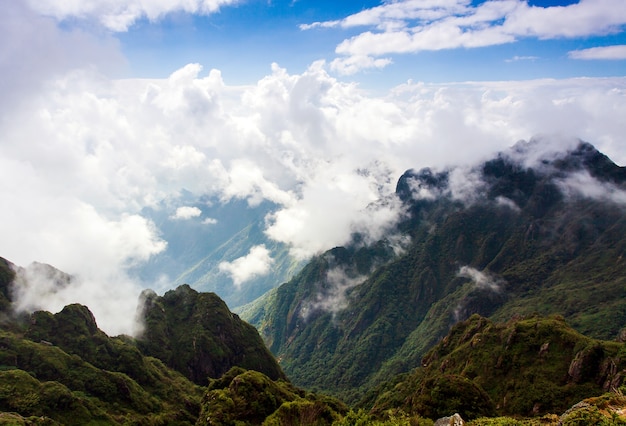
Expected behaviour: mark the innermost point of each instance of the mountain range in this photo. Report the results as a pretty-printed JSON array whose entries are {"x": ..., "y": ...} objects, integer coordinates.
[
  {"x": 530, "y": 231},
  {"x": 500, "y": 293}
]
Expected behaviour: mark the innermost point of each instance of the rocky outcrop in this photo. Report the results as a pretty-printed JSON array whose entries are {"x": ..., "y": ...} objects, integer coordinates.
[
  {"x": 454, "y": 420},
  {"x": 197, "y": 335}
]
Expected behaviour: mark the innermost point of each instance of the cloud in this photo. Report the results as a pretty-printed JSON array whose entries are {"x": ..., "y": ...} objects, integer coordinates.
[
  {"x": 617, "y": 52},
  {"x": 186, "y": 212},
  {"x": 482, "y": 280},
  {"x": 412, "y": 26},
  {"x": 83, "y": 155},
  {"x": 353, "y": 64},
  {"x": 113, "y": 302},
  {"x": 521, "y": 58},
  {"x": 35, "y": 49},
  {"x": 332, "y": 297},
  {"x": 117, "y": 15},
  {"x": 582, "y": 184},
  {"x": 256, "y": 263}
]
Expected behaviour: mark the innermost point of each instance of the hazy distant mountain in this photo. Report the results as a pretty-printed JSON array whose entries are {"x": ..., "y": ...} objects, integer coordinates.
[
  {"x": 216, "y": 232},
  {"x": 533, "y": 230}
]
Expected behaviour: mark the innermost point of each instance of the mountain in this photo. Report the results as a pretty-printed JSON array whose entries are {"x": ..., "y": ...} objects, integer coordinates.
[
  {"x": 525, "y": 367},
  {"x": 533, "y": 230},
  {"x": 62, "y": 369},
  {"x": 195, "y": 334},
  {"x": 221, "y": 232}
]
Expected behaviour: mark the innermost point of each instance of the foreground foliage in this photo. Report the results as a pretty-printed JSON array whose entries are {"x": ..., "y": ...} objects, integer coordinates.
[{"x": 524, "y": 367}]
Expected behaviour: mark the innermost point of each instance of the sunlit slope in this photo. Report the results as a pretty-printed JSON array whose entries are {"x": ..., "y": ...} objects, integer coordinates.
[{"x": 530, "y": 231}]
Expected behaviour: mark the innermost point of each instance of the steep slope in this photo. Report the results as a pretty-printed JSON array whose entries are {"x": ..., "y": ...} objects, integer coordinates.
[
  {"x": 196, "y": 334},
  {"x": 523, "y": 367},
  {"x": 529, "y": 231},
  {"x": 223, "y": 232},
  {"x": 66, "y": 370}
]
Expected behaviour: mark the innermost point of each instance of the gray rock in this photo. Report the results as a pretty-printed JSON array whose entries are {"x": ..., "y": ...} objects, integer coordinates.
[{"x": 454, "y": 420}]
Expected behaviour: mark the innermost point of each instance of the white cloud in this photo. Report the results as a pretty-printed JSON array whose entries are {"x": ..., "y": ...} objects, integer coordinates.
[
  {"x": 186, "y": 212},
  {"x": 353, "y": 64},
  {"x": 482, "y": 280},
  {"x": 113, "y": 302},
  {"x": 119, "y": 15},
  {"x": 521, "y": 58},
  {"x": 332, "y": 294},
  {"x": 617, "y": 52},
  {"x": 582, "y": 184},
  {"x": 256, "y": 263},
  {"x": 80, "y": 160},
  {"x": 412, "y": 26}
]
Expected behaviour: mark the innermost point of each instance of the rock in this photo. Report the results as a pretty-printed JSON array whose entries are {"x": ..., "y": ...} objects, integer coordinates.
[{"x": 454, "y": 420}]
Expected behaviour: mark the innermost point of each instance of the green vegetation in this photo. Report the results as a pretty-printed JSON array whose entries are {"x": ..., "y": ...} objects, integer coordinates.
[
  {"x": 195, "y": 334},
  {"x": 470, "y": 317},
  {"x": 249, "y": 397},
  {"x": 525, "y": 367},
  {"x": 535, "y": 249}
]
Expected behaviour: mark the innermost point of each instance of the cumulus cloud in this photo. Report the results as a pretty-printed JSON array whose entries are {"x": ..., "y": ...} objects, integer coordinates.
[
  {"x": 186, "y": 212},
  {"x": 119, "y": 15},
  {"x": 617, "y": 52},
  {"x": 256, "y": 263},
  {"x": 83, "y": 154},
  {"x": 412, "y": 26},
  {"x": 482, "y": 280}
]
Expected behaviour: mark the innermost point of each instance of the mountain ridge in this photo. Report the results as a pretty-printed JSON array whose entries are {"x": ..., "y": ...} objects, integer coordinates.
[{"x": 485, "y": 240}]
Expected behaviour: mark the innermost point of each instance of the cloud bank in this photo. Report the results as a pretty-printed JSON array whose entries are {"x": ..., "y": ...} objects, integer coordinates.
[{"x": 91, "y": 152}]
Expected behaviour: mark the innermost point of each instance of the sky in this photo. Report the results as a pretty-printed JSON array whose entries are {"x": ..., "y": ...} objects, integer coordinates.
[{"x": 111, "y": 106}]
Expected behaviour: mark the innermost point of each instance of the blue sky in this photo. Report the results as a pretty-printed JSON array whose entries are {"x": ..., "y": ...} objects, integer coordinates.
[
  {"x": 109, "y": 107},
  {"x": 243, "y": 40}
]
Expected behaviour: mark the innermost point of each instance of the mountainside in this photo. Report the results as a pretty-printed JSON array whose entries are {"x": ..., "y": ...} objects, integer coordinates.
[
  {"x": 525, "y": 367},
  {"x": 62, "y": 369},
  {"x": 222, "y": 232},
  {"x": 196, "y": 334},
  {"x": 530, "y": 231}
]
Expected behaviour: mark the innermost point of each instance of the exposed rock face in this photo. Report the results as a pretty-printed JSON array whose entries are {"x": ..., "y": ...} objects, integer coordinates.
[
  {"x": 196, "y": 334},
  {"x": 454, "y": 420}
]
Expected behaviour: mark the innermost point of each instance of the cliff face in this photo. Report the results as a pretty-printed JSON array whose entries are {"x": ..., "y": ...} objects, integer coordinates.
[{"x": 196, "y": 334}]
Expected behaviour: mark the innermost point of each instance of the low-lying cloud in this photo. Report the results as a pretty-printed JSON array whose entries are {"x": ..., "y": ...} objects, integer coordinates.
[
  {"x": 186, "y": 212},
  {"x": 332, "y": 295},
  {"x": 113, "y": 300},
  {"x": 481, "y": 280},
  {"x": 256, "y": 263}
]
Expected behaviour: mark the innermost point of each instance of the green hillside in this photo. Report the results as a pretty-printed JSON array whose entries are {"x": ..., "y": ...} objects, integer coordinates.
[{"x": 520, "y": 241}]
